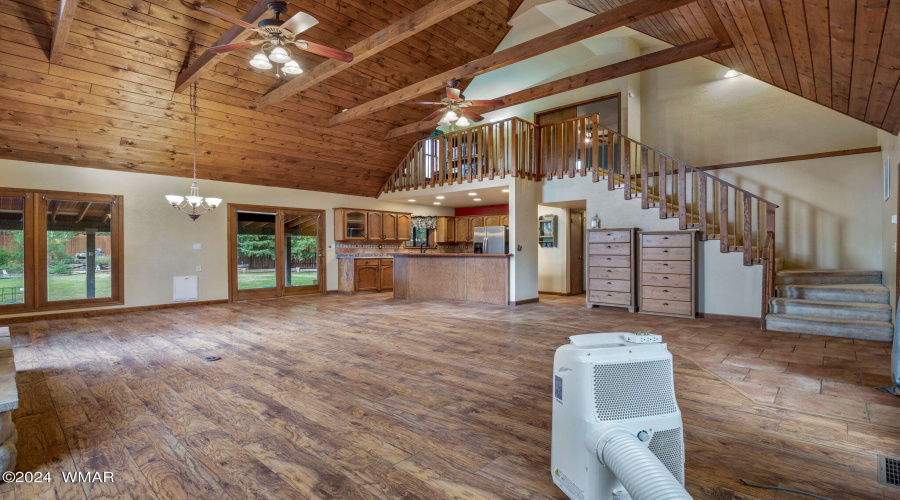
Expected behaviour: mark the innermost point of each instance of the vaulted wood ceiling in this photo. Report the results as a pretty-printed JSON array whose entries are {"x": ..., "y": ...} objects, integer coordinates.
[
  {"x": 843, "y": 54},
  {"x": 109, "y": 102}
]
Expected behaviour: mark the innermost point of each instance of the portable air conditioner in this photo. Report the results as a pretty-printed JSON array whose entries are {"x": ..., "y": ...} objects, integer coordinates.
[{"x": 617, "y": 430}]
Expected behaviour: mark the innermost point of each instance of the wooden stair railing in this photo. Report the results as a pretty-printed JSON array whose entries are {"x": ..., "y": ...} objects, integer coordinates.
[{"x": 740, "y": 220}]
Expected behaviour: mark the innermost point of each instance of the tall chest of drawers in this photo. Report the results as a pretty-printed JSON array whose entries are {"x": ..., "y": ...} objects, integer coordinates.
[
  {"x": 668, "y": 270},
  {"x": 611, "y": 271}
]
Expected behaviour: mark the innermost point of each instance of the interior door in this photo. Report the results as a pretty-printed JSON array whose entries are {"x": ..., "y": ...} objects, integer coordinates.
[
  {"x": 275, "y": 251},
  {"x": 304, "y": 265},
  {"x": 576, "y": 252}
]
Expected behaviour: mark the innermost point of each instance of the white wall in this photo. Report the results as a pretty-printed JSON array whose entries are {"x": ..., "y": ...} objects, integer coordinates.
[{"x": 159, "y": 239}]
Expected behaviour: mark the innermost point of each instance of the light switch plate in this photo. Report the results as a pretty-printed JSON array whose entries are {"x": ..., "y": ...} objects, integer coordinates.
[
  {"x": 199, "y": 268},
  {"x": 894, "y": 219},
  {"x": 197, "y": 246}
]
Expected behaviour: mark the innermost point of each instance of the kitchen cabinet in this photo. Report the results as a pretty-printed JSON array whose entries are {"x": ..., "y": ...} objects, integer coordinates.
[
  {"x": 445, "y": 232},
  {"x": 371, "y": 225},
  {"x": 492, "y": 220},
  {"x": 386, "y": 275},
  {"x": 473, "y": 223},
  {"x": 504, "y": 220},
  {"x": 461, "y": 229},
  {"x": 365, "y": 275}
]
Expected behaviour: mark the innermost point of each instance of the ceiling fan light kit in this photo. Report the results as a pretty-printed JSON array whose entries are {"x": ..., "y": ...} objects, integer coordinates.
[
  {"x": 455, "y": 108},
  {"x": 260, "y": 61}
]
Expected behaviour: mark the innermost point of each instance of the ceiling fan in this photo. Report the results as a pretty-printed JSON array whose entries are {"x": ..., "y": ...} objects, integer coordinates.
[
  {"x": 454, "y": 107},
  {"x": 277, "y": 35}
]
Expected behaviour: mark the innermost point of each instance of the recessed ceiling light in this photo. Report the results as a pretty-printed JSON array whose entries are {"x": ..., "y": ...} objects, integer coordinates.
[
  {"x": 439, "y": 197},
  {"x": 504, "y": 190},
  {"x": 410, "y": 200},
  {"x": 473, "y": 194},
  {"x": 476, "y": 199},
  {"x": 731, "y": 73},
  {"x": 437, "y": 203}
]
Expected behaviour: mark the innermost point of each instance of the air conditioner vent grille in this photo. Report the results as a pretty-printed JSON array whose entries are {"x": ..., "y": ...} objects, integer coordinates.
[
  {"x": 623, "y": 391},
  {"x": 668, "y": 448}
]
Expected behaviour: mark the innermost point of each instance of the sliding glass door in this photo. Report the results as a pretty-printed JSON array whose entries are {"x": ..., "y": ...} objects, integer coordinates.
[{"x": 275, "y": 251}]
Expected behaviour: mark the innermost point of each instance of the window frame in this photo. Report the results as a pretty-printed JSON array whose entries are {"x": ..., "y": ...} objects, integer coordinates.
[{"x": 35, "y": 279}]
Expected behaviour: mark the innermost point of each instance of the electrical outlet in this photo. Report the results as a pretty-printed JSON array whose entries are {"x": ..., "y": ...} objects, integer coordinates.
[
  {"x": 197, "y": 246},
  {"x": 199, "y": 269}
]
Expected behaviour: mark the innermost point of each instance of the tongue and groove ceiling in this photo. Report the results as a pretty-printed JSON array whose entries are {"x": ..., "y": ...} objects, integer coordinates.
[
  {"x": 843, "y": 54},
  {"x": 110, "y": 104}
]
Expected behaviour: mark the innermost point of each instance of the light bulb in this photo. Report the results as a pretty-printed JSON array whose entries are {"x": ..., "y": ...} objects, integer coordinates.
[
  {"x": 292, "y": 68},
  {"x": 731, "y": 73},
  {"x": 214, "y": 202},
  {"x": 279, "y": 55},
  {"x": 174, "y": 199},
  {"x": 451, "y": 116},
  {"x": 260, "y": 61},
  {"x": 463, "y": 122}
]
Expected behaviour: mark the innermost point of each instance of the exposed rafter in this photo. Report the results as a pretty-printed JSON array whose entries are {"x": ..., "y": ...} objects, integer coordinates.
[
  {"x": 410, "y": 25},
  {"x": 207, "y": 60},
  {"x": 656, "y": 59},
  {"x": 573, "y": 33},
  {"x": 64, "y": 20}
]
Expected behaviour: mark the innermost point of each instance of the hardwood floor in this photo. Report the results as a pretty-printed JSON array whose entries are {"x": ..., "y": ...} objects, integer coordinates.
[{"x": 364, "y": 397}]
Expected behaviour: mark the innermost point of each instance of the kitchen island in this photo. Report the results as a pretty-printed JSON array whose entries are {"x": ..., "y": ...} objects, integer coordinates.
[{"x": 452, "y": 276}]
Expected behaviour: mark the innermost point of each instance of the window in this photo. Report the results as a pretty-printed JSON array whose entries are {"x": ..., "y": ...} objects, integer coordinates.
[
  {"x": 59, "y": 250},
  {"x": 421, "y": 237}
]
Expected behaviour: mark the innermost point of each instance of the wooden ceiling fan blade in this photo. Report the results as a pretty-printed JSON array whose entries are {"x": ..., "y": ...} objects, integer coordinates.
[
  {"x": 226, "y": 17},
  {"x": 489, "y": 102},
  {"x": 468, "y": 113},
  {"x": 322, "y": 50},
  {"x": 220, "y": 49},
  {"x": 299, "y": 23},
  {"x": 434, "y": 115},
  {"x": 422, "y": 102}
]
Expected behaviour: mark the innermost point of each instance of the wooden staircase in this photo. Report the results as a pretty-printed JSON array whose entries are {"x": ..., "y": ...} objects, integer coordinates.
[{"x": 741, "y": 221}]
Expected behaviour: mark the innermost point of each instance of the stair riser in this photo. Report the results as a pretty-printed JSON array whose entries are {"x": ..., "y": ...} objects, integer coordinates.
[
  {"x": 864, "y": 333},
  {"x": 828, "y": 280},
  {"x": 831, "y": 312},
  {"x": 836, "y": 296}
]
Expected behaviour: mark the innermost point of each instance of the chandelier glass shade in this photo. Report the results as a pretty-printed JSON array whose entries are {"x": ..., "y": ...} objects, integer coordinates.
[
  {"x": 193, "y": 204},
  {"x": 260, "y": 61},
  {"x": 279, "y": 55}
]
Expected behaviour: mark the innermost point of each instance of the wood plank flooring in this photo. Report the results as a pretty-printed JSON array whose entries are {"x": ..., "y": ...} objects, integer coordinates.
[{"x": 365, "y": 397}]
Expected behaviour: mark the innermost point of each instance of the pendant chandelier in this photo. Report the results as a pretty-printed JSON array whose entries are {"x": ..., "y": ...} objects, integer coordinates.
[{"x": 193, "y": 204}]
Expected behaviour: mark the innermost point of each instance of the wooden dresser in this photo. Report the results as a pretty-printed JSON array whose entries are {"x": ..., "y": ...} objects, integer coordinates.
[
  {"x": 668, "y": 273},
  {"x": 611, "y": 271}
]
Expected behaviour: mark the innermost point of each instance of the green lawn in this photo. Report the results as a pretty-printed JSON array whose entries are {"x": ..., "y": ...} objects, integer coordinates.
[
  {"x": 248, "y": 281},
  {"x": 67, "y": 287}
]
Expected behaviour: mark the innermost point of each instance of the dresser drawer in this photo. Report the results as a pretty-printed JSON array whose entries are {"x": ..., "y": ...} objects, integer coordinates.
[
  {"x": 674, "y": 280},
  {"x": 666, "y": 267},
  {"x": 366, "y": 262},
  {"x": 609, "y": 237},
  {"x": 666, "y": 307},
  {"x": 610, "y": 285},
  {"x": 610, "y": 297},
  {"x": 665, "y": 293},
  {"x": 610, "y": 261},
  {"x": 610, "y": 249},
  {"x": 666, "y": 253},
  {"x": 611, "y": 273},
  {"x": 666, "y": 240}
]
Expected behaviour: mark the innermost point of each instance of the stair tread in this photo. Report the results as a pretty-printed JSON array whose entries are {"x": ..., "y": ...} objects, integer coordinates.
[
  {"x": 861, "y": 287},
  {"x": 830, "y": 321},
  {"x": 831, "y": 303},
  {"x": 799, "y": 272}
]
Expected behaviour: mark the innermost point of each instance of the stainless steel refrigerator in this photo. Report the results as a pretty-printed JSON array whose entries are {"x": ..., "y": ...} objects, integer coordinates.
[{"x": 491, "y": 239}]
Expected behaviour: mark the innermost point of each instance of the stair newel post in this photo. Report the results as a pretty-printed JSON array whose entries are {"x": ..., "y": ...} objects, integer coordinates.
[
  {"x": 682, "y": 196},
  {"x": 645, "y": 170},
  {"x": 723, "y": 217},
  {"x": 748, "y": 230},
  {"x": 626, "y": 166}
]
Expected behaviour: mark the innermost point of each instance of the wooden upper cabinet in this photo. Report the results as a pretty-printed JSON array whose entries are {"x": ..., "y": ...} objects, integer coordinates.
[
  {"x": 445, "y": 231},
  {"x": 374, "y": 228},
  {"x": 461, "y": 229},
  {"x": 404, "y": 227},
  {"x": 389, "y": 226},
  {"x": 473, "y": 223},
  {"x": 349, "y": 224},
  {"x": 504, "y": 220},
  {"x": 491, "y": 220}
]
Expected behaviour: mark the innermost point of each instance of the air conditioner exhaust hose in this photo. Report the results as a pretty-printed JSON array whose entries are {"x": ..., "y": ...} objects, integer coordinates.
[{"x": 638, "y": 469}]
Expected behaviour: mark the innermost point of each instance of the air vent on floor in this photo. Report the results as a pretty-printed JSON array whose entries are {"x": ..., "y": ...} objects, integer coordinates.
[{"x": 889, "y": 471}]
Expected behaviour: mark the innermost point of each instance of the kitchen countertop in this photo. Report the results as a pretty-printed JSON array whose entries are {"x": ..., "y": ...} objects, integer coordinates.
[
  {"x": 364, "y": 255},
  {"x": 486, "y": 255}
]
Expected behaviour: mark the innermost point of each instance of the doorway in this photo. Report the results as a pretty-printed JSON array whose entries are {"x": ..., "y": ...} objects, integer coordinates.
[
  {"x": 274, "y": 252},
  {"x": 576, "y": 252}
]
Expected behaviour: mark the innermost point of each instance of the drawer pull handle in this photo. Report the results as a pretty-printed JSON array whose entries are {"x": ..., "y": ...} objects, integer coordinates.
[
  {"x": 665, "y": 303},
  {"x": 609, "y": 258},
  {"x": 665, "y": 277},
  {"x": 609, "y": 295},
  {"x": 665, "y": 265},
  {"x": 665, "y": 251},
  {"x": 665, "y": 291},
  {"x": 665, "y": 237}
]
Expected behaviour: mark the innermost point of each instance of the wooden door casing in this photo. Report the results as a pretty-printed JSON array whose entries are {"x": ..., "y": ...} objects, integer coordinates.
[{"x": 576, "y": 252}]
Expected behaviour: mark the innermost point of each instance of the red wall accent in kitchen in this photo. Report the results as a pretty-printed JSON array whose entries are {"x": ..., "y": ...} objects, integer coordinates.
[{"x": 487, "y": 210}]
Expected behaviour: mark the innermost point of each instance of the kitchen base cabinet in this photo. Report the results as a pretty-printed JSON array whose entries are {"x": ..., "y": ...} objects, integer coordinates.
[
  {"x": 365, "y": 275},
  {"x": 611, "y": 268}
]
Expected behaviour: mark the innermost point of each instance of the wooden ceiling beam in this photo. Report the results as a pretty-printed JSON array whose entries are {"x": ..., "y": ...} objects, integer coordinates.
[
  {"x": 207, "y": 60},
  {"x": 64, "y": 20},
  {"x": 410, "y": 25},
  {"x": 611, "y": 72},
  {"x": 600, "y": 23}
]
